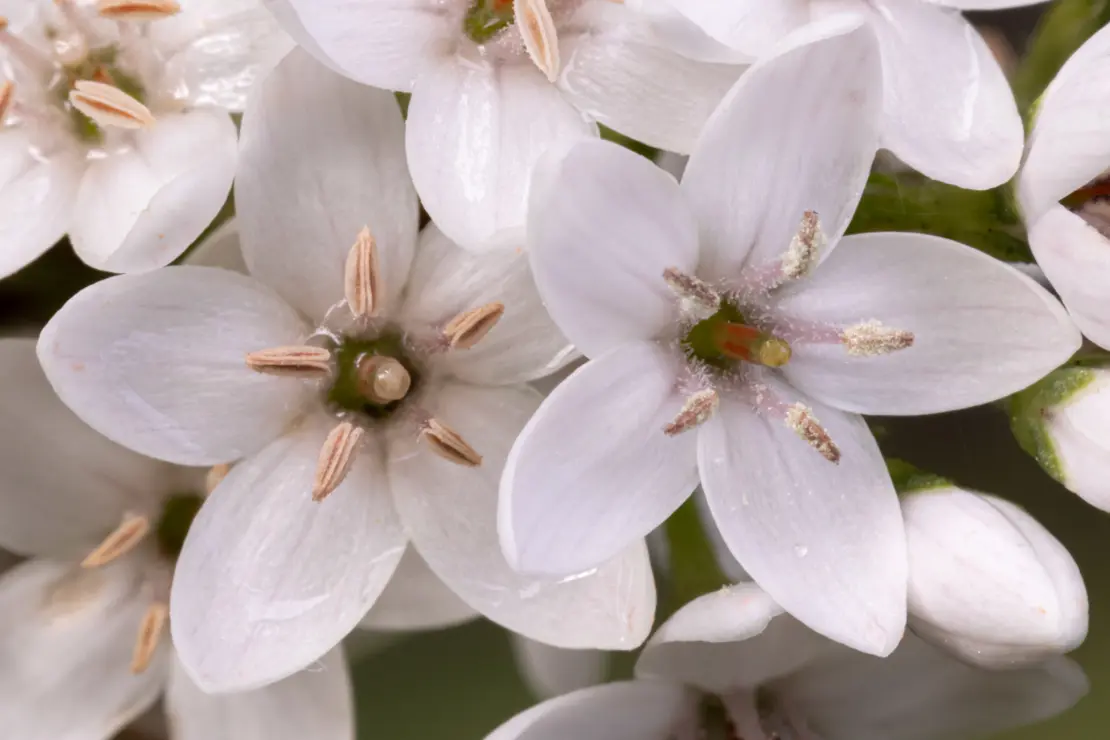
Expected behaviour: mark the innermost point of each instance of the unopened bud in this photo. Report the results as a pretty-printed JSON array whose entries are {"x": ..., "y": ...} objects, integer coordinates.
[{"x": 986, "y": 581}]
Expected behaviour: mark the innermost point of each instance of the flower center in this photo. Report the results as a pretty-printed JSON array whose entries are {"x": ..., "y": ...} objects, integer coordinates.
[
  {"x": 487, "y": 18},
  {"x": 372, "y": 376},
  {"x": 724, "y": 338},
  {"x": 178, "y": 512}
]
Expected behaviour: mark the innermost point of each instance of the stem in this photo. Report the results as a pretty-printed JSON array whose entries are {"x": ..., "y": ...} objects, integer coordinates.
[{"x": 694, "y": 570}]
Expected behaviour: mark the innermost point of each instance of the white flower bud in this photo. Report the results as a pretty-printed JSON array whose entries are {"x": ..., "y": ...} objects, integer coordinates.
[
  {"x": 1064, "y": 422},
  {"x": 987, "y": 582}
]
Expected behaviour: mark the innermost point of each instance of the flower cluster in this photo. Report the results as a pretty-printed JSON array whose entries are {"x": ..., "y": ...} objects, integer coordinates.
[{"x": 459, "y": 353}]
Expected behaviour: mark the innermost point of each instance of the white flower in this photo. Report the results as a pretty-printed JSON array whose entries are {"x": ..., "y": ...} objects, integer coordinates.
[
  {"x": 396, "y": 416},
  {"x": 1063, "y": 421},
  {"x": 948, "y": 110},
  {"x": 116, "y": 124},
  {"x": 987, "y": 581},
  {"x": 490, "y": 95},
  {"x": 697, "y": 309},
  {"x": 731, "y": 664},
  {"x": 1067, "y": 160},
  {"x": 82, "y": 622}
]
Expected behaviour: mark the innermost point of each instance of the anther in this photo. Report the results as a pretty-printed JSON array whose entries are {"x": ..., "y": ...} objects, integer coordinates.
[
  {"x": 470, "y": 327},
  {"x": 800, "y": 418},
  {"x": 295, "y": 361},
  {"x": 743, "y": 342},
  {"x": 805, "y": 248},
  {"x": 872, "y": 338},
  {"x": 383, "y": 379},
  {"x": 697, "y": 300},
  {"x": 336, "y": 457},
  {"x": 361, "y": 278},
  {"x": 150, "y": 633},
  {"x": 7, "y": 94},
  {"x": 541, "y": 41},
  {"x": 121, "y": 541},
  {"x": 107, "y": 105},
  {"x": 696, "y": 411},
  {"x": 137, "y": 11},
  {"x": 215, "y": 476},
  {"x": 447, "y": 443}
]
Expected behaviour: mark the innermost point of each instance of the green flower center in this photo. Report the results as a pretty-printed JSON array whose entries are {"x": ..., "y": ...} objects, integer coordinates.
[
  {"x": 372, "y": 377},
  {"x": 178, "y": 513},
  {"x": 725, "y": 339},
  {"x": 101, "y": 65},
  {"x": 487, "y": 18}
]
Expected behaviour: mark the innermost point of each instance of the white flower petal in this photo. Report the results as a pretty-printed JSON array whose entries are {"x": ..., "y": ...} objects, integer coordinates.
[
  {"x": 814, "y": 109},
  {"x": 593, "y": 472},
  {"x": 919, "y": 693},
  {"x": 314, "y": 703},
  {"x": 622, "y": 75},
  {"x": 219, "y": 49},
  {"x": 290, "y": 21},
  {"x": 474, "y": 133},
  {"x": 381, "y": 42},
  {"x": 155, "y": 362},
  {"x": 62, "y": 485},
  {"x": 604, "y": 224},
  {"x": 1080, "y": 435},
  {"x": 322, "y": 158},
  {"x": 447, "y": 280},
  {"x": 221, "y": 249},
  {"x": 751, "y": 26},
  {"x": 988, "y": 582},
  {"x": 674, "y": 29},
  {"x": 1068, "y": 146},
  {"x": 66, "y": 635},
  {"x": 141, "y": 208},
  {"x": 416, "y": 599},
  {"x": 451, "y": 515},
  {"x": 981, "y": 329},
  {"x": 985, "y": 4},
  {"x": 628, "y": 710},
  {"x": 824, "y": 540},
  {"x": 1076, "y": 258},
  {"x": 734, "y": 639},
  {"x": 949, "y": 111},
  {"x": 270, "y": 580},
  {"x": 550, "y": 671},
  {"x": 36, "y": 199}
]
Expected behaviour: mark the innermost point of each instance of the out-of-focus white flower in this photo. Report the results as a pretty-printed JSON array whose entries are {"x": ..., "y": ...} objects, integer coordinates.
[
  {"x": 116, "y": 126},
  {"x": 732, "y": 664},
  {"x": 82, "y": 622},
  {"x": 948, "y": 110},
  {"x": 716, "y": 354},
  {"x": 987, "y": 581},
  {"x": 496, "y": 83},
  {"x": 1063, "y": 421},
  {"x": 550, "y": 671},
  {"x": 1063, "y": 188},
  {"x": 373, "y": 391}
]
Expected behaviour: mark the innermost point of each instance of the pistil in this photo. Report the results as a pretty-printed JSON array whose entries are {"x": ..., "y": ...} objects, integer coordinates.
[
  {"x": 743, "y": 342},
  {"x": 487, "y": 18}
]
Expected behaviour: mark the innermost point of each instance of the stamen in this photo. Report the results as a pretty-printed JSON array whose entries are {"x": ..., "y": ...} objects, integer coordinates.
[
  {"x": 215, "y": 477},
  {"x": 361, "y": 280},
  {"x": 447, "y": 443},
  {"x": 870, "y": 338},
  {"x": 470, "y": 327},
  {"x": 696, "y": 411},
  {"x": 7, "y": 94},
  {"x": 121, "y": 541},
  {"x": 29, "y": 56},
  {"x": 743, "y": 342},
  {"x": 336, "y": 457},
  {"x": 150, "y": 633},
  {"x": 697, "y": 300},
  {"x": 800, "y": 418},
  {"x": 294, "y": 362},
  {"x": 383, "y": 379},
  {"x": 137, "y": 11},
  {"x": 805, "y": 248},
  {"x": 540, "y": 38},
  {"x": 107, "y": 105}
]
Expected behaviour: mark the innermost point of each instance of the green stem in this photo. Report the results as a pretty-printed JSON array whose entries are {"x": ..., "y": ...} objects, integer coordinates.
[{"x": 693, "y": 564}]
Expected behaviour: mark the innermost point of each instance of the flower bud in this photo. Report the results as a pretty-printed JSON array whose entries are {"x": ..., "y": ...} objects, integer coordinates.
[
  {"x": 1063, "y": 421},
  {"x": 986, "y": 581}
]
